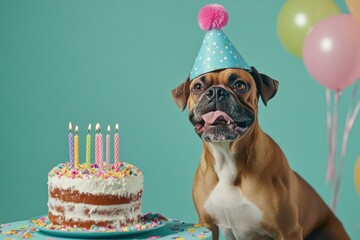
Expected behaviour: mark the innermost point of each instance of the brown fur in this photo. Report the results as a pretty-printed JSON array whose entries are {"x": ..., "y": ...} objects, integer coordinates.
[{"x": 291, "y": 208}]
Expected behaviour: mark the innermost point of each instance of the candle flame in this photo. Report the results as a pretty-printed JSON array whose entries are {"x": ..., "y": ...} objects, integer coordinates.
[
  {"x": 89, "y": 128},
  {"x": 70, "y": 126},
  {"x": 108, "y": 129},
  {"x": 97, "y": 127},
  {"x": 117, "y": 127},
  {"x": 76, "y": 129}
]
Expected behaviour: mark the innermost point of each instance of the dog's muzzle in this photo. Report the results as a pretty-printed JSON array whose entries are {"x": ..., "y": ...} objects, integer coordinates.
[{"x": 219, "y": 116}]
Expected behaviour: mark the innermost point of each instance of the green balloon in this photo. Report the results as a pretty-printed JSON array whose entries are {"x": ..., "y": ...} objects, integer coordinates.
[{"x": 297, "y": 17}]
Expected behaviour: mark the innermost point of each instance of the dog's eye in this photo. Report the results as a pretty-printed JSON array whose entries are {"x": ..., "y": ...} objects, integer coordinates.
[
  {"x": 240, "y": 86},
  {"x": 197, "y": 87}
]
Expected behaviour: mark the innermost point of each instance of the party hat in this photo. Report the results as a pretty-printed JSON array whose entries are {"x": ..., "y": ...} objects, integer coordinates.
[{"x": 216, "y": 51}]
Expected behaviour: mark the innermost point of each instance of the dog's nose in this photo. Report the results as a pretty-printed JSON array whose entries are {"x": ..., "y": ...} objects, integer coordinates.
[{"x": 216, "y": 92}]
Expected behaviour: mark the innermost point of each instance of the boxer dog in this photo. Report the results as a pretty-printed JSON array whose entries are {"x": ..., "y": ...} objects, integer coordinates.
[{"x": 244, "y": 184}]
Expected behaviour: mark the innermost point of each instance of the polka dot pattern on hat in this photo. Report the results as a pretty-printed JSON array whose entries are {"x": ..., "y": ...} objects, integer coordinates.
[{"x": 217, "y": 52}]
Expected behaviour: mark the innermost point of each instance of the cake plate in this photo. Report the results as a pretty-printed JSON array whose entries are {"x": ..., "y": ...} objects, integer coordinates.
[{"x": 149, "y": 222}]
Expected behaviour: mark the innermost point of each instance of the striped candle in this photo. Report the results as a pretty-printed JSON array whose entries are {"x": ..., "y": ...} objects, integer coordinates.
[
  {"x": 71, "y": 147},
  {"x": 88, "y": 148},
  {"x": 101, "y": 149},
  {"x": 97, "y": 144},
  {"x": 108, "y": 148},
  {"x": 116, "y": 147},
  {"x": 76, "y": 148}
]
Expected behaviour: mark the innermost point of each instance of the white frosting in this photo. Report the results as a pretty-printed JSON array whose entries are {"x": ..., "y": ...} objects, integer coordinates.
[
  {"x": 123, "y": 183},
  {"x": 77, "y": 211},
  {"x": 94, "y": 185}
]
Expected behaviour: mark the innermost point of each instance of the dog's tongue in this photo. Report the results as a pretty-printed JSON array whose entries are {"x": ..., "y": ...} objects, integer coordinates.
[{"x": 211, "y": 117}]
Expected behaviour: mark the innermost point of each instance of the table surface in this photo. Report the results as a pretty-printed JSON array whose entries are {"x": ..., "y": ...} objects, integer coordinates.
[{"x": 174, "y": 229}]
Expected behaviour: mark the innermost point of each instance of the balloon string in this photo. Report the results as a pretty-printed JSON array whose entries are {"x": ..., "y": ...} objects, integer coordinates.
[
  {"x": 328, "y": 120},
  {"x": 348, "y": 127},
  {"x": 333, "y": 146},
  {"x": 350, "y": 119}
]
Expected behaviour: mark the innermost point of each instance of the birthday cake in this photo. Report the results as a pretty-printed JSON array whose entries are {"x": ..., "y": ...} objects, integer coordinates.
[{"x": 88, "y": 196}]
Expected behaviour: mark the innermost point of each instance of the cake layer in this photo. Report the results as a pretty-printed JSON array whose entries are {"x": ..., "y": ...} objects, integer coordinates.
[
  {"x": 59, "y": 220},
  {"x": 84, "y": 212},
  {"x": 75, "y": 196},
  {"x": 91, "y": 184}
]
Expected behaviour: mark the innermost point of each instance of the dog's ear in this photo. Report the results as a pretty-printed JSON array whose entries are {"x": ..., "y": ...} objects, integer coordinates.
[
  {"x": 267, "y": 87},
  {"x": 181, "y": 94}
]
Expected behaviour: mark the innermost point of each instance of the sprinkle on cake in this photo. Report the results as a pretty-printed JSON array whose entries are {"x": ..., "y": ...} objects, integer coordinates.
[
  {"x": 124, "y": 170},
  {"x": 102, "y": 196}
]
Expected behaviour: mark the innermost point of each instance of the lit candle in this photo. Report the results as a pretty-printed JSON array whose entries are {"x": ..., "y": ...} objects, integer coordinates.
[
  {"x": 101, "y": 149},
  {"x": 76, "y": 148},
  {"x": 108, "y": 147},
  {"x": 71, "y": 147},
  {"x": 97, "y": 144},
  {"x": 116, "y": 147},
  {"x": 88, "y": 148}
]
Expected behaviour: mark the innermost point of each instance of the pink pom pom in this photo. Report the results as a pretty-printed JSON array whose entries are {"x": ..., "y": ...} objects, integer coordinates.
[{"x": 212, "y": 16}]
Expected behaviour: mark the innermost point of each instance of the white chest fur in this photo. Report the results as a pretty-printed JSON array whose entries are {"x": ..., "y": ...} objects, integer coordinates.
[{"x": 237, "y": 217}]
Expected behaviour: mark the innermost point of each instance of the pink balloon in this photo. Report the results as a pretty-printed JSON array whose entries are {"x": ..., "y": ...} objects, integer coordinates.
[{"x": 331, "y": 52}]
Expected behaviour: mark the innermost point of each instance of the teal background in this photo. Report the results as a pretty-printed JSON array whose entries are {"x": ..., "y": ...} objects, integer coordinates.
[{"x": 117, "y": 61}]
